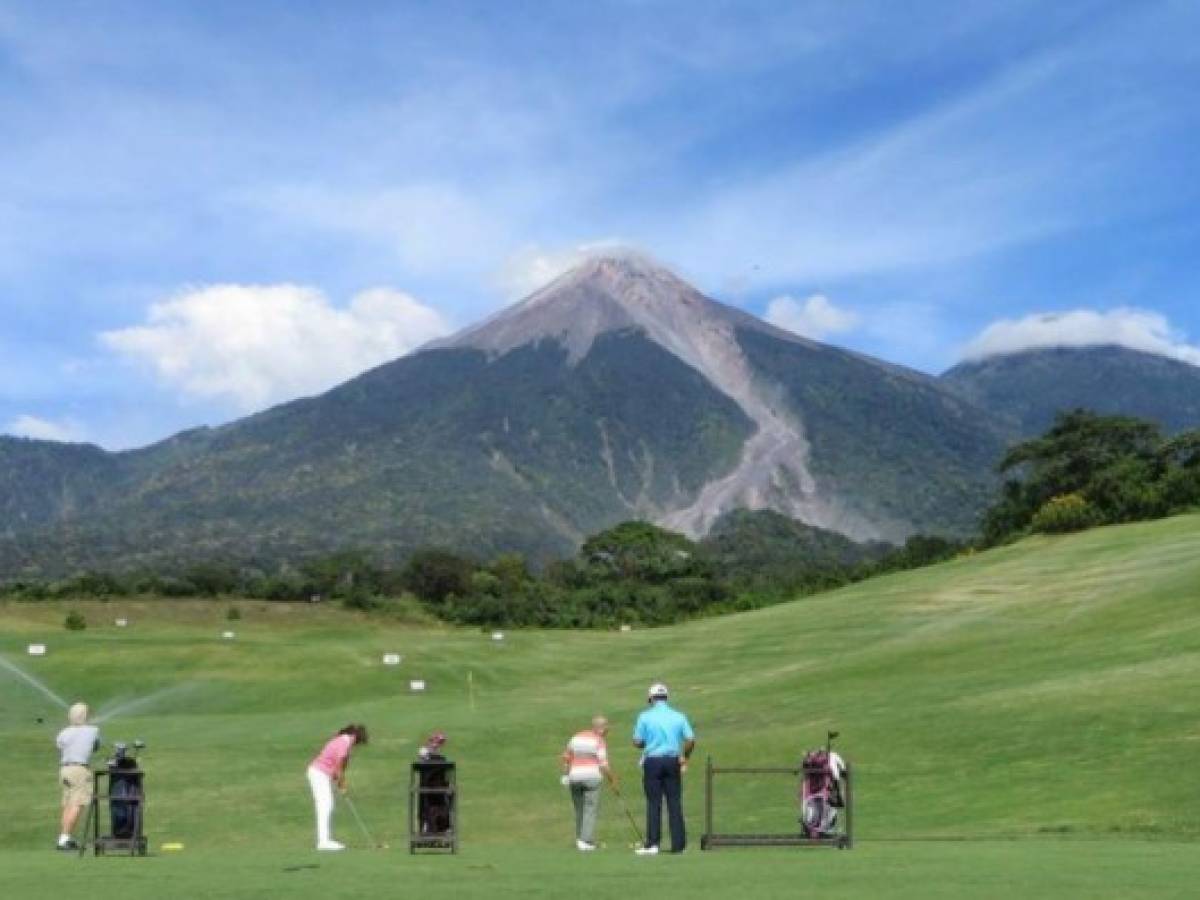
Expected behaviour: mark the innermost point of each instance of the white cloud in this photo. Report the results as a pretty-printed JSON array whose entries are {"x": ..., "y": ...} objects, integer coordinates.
[
  {"x": 1136, "y": 329},
  {"x": 260, "y": 344},
  {"x": 816, "y": 317},
  {"x": 42, "y": 429}
]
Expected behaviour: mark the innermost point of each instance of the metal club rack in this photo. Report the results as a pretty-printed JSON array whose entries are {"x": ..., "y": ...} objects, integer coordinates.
[{"x": 842, "y": 839}]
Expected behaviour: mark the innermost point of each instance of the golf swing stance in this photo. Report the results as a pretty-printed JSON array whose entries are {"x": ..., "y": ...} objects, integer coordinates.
[
  {"x": 328, "y": 769},
  {"x": 585, "y": 765},
  {"x": 666, "y": 740}
]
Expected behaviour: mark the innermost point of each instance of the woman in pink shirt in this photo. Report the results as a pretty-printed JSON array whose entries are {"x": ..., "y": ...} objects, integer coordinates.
[{"x": 330, "y": 767}]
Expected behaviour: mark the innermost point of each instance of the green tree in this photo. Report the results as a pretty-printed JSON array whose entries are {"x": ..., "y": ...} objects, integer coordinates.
[
  {"x": 641, "y": 551},
  {"x": 511, "y": 571},
  {"x": 1112, "y": 462},
  {"x": 433, "y": 575}
]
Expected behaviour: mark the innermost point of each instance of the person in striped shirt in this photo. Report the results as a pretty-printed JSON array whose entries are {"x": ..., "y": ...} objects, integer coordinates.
[{"x": 585, "y": 767}]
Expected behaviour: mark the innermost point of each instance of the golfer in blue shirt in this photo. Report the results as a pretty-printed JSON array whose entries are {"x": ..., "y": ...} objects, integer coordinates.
[{"x": 666, "y": 740}]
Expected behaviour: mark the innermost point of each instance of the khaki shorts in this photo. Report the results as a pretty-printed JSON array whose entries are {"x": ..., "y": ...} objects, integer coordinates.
[{"x": 76, "y": 784}]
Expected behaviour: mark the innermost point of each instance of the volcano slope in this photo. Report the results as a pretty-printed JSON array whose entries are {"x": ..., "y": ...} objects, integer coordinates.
[{"x": 1021, "y": 720}]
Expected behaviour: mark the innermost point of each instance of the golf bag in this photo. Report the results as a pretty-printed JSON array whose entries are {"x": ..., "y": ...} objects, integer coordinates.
[
  {"x": 125, "y": 798},
  {"x": 822, "y": 795},
  {"x": 433, "y": 805}
]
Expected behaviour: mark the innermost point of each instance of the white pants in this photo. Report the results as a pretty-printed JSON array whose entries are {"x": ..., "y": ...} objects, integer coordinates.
[{"x": 322, "y": 791}]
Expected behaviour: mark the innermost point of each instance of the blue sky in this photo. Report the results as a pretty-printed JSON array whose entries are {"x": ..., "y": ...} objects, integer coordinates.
[{"x": 209, "y": 207}]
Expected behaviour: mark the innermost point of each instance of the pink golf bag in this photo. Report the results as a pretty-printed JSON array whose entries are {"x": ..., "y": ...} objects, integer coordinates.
[{"x": 822, "y": 791}]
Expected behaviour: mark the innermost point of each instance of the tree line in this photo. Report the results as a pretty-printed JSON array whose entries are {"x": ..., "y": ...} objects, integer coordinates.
[{"x": 633, "y": 574}]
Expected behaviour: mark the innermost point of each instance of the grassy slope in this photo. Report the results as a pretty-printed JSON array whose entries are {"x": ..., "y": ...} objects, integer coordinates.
[{"x": 1044, "y": 689}]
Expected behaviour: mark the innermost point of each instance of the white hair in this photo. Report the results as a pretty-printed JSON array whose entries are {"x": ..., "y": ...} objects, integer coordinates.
[{"x": 78, "y": 714}]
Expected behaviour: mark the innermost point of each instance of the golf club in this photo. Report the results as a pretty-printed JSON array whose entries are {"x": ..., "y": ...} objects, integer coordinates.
[
  {"x": 362, "y": 825},
  {"x": 632, "y": 822}
]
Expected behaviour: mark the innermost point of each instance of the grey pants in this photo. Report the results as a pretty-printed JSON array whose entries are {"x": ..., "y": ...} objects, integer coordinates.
[{"x": 586, "y": 797}]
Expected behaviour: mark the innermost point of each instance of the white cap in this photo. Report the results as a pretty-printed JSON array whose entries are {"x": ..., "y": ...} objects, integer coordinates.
[{"x": 658, "y": 691}]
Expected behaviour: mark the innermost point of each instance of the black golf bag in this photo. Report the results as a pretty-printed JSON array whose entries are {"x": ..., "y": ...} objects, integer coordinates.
[
  {"x": 125, "y": 798},
  {"x": 433, "y": 806}
]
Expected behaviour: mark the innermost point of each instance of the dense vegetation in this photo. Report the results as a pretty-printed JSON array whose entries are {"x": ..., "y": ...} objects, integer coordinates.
[
  {"x": 1086, "y": 470},
  {"x": 635, "y": 573},
  {"x": 1091, "y": 470}
]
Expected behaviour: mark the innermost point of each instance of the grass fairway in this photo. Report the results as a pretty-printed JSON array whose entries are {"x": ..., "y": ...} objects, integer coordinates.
[
  {"x": 1043, "y": 869},
  {"x": 1036, "y": 704}
]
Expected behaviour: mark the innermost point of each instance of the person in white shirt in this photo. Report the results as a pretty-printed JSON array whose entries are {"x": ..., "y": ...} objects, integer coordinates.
[{"x": 76, "y": 744}]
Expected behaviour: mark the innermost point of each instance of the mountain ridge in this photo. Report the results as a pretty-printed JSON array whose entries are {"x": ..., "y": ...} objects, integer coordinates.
[{"x": 1031, "y": 386}]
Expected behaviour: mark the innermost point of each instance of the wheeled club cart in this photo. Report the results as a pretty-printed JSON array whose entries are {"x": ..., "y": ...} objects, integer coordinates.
[
  {"x": 119, "y": 787},
  {"x": 433, "y": 807}
]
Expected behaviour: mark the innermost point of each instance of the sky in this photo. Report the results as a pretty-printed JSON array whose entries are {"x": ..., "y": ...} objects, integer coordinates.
[{"x": 207, "y": 208}]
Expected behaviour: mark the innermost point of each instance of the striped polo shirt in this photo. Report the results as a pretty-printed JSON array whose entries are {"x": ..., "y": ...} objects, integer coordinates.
[{"x": 586, "y": 754}]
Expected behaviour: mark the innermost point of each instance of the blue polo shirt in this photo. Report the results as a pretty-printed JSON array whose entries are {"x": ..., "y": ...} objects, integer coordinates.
[{"x": 662, "y": 730}]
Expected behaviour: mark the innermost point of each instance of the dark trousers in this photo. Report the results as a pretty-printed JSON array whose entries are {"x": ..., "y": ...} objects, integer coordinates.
[{"x": 660, "y": 778}]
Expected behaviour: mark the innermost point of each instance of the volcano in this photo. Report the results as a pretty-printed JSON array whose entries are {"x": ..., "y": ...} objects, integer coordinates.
[{"x": 617, "y": 391}]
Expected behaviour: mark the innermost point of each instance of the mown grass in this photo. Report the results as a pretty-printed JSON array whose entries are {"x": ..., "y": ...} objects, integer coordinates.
[
  {"x": 1042, "y": 692},
  {"x": 922, "y": 871}
]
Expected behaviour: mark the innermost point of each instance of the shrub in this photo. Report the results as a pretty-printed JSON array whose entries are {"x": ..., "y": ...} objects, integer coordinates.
[
  {"x": 361, "y": 600},
  {"x": 1070, "y": 512},
  {"x": 233, "y": 614},
  {"x": 75, "y": 621}
]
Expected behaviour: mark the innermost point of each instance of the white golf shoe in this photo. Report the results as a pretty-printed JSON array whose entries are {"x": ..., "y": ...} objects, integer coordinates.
[
  {"x": 646, "y": 851},
  {"x": 584, "y": 846},
  {"x": 331, "y": 845}
]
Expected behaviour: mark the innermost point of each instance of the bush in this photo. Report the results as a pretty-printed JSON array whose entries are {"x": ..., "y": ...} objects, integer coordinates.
[
  {"x": 233, "y": 614},
  {"x": 1070, "y": 512},
  {"x": 360, "y": 600},
  {"x": 75, "y": 621}
]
